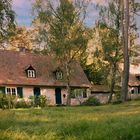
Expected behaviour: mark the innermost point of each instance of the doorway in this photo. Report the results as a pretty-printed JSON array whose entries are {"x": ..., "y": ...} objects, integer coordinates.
[
  {"x": 36, "y": 91},
  {"x": 58, "y": 96}
]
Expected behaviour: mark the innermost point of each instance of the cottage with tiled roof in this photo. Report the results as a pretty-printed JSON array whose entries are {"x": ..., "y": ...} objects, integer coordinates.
[
  {"x": 134, "y": 79},
  {"x": 28, "y": 74}
]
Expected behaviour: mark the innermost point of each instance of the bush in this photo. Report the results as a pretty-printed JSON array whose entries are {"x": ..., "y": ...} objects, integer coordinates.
[
  {"x": 23, "y": 104},
  {"x": 136, "y": 137},
  {"x": 3, "y": 101},
  {"x": 7, "y": 101},
  {"x": 40, "y": 101},
  {"x": 10, "y": 101},
  {"x": 92, "y": 101}
]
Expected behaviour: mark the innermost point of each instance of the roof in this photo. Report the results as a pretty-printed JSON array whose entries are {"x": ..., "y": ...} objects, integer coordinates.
[
  {"x": 133, "y": 80},
  {"x": 13, "y": 65},
  {"x": 100, "y": 89}
]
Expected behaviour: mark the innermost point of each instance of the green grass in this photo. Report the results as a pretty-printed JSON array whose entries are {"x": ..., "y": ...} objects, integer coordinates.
[{"x": 109, "y": 122}]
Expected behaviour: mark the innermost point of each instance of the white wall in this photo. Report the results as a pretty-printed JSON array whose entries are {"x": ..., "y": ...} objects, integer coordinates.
[
  {"x": 27, "y": 92},
  {"x": 50, "y": 94}
]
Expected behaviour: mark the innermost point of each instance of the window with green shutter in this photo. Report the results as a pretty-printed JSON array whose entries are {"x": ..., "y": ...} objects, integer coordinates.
[
  {"x": 20, "y": 92},
  {"x": 2, "y": 90}
]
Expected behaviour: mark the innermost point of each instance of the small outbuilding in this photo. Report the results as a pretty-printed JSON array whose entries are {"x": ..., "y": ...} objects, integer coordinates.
[{"x": 101, "y": 92}]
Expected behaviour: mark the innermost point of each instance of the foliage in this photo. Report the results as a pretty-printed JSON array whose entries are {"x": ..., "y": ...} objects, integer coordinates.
[
  {"x": 23, "y": 104},
  {"x": 7, "y": 18},
  {"x": 63, "y": 30},
  {"x": 92, "y": 101},
  {"x": 40, "y": 101},
  {"x": 7, "y": 101},
  {"x": 22, "y": 39},
  {"x": 11, "y": 101},
  {"x": 72, "y": 123},
  {"x": 109, "y": 28},
  {"x": 96, "y": 72}
]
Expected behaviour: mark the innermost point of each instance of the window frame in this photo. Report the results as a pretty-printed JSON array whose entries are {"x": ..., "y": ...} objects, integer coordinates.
[
  {"x": 31, "y": 74},
  {"x": 11, "y": 91},
  {"x": 138, "y": 77},
  {"x": 59, "y": 75},
  {"x": 79, "y": 93}
]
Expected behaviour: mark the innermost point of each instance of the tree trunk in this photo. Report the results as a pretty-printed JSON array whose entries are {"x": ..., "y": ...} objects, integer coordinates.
[
  {"x": 68, "y": 84},
  {"x": 113, "y": 82},
  {"x": 125, "y": 28}
]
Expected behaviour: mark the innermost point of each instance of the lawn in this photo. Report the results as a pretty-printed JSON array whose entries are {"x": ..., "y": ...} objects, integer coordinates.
[{"x": 109, "y": 122}]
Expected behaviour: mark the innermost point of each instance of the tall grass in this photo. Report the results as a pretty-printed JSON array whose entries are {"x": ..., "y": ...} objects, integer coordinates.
[{"x": 110, "y": 122}]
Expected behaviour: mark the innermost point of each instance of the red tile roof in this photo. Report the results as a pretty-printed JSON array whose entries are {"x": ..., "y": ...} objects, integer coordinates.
[
  {"x": 13, "y": 65},
  {"x": 100, "y": 89}
]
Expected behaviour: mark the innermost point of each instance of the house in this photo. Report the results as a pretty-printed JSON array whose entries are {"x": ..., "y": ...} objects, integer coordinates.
[
  {"x": 100, "y": 92},
  {"x": 27, "y": 74},
  {"x": 134, "y": 80}
]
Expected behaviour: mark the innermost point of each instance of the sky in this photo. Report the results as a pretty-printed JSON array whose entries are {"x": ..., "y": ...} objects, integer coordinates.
[{"x": 24, "y": 17}]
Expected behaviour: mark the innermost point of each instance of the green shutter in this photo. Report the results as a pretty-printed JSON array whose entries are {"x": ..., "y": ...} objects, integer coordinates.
[
  {"x": 2, "y": 90},
  {"x": 20, "y": 92}
]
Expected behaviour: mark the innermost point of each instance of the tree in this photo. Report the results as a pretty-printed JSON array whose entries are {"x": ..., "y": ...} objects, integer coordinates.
[
  {"x": 125, "y": 28},
  {"x": 112, "y": 55},
  {"x": 95, "y": 67},
  {"x": 109, "y": 33},
  {"x": 64, "y": 31},
  {"x": 23, "y": 39},
  {"x": 7, "y": 18}
]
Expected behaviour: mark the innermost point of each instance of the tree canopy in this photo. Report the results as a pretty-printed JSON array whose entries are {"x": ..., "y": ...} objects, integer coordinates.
[{"x": 7, "y": 19}]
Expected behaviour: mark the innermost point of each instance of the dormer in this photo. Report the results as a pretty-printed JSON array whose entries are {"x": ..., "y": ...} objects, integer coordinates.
[
  {"x": 58, "y": 74},
  {"x": 30, "y": 71},
  {"x": 138, "y": 76}
]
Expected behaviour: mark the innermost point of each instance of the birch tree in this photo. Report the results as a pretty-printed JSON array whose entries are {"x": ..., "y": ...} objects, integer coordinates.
[{"x": 64, "y": 31}]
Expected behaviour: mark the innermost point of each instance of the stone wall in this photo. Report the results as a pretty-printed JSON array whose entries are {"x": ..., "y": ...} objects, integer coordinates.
[
  {"x": 103, "y": 97},
  {"x": 134, "y": 96}
]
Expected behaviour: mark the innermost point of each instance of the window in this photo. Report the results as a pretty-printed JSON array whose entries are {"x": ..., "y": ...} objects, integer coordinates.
[
  {"x": 2, "y": 90},
  {"x": 31, "y": 73},
  {"x": 138, "y": 77},
  {"x": 20, "y": 92},
  {"x": 59, "y": 75},
  {"x": 11, "y": 91},
  {"x": 78, "y": 93},
  {"x": 139, "y": 90}
]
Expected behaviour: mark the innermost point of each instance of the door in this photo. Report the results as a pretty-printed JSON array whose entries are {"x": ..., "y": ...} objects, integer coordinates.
[
  {"x": 58, "y": 95},
  {"x": 36, "y": 91}
]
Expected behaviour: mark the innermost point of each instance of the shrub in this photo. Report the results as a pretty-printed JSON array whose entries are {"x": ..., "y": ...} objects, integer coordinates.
[
  {"x": 136, "y": 137},
  {"x": 23, "y": 104},
  {"x": 92, "y": 101},
  {"x": 40, "y": 101},
  {"x": 7, "y": 101},
  {"x": 3, "y": 101}
]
